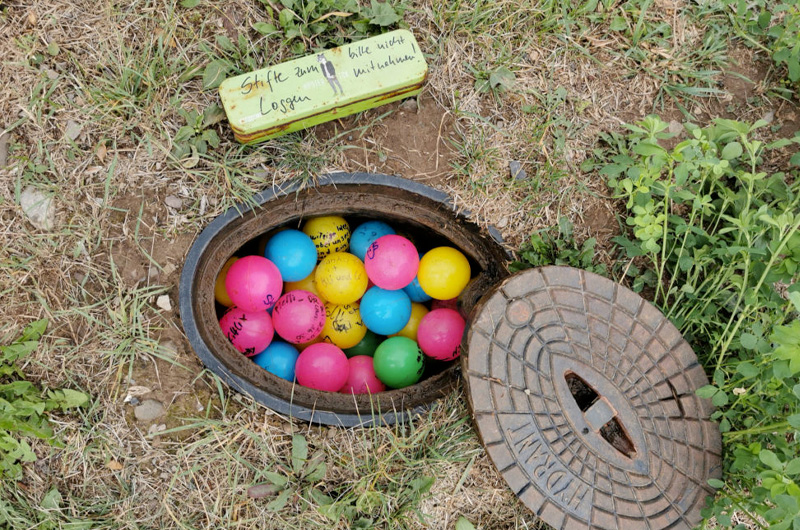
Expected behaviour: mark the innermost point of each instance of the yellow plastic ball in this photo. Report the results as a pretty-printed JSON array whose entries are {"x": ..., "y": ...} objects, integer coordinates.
[
  {"x": 306, "y": 284},
  {"x": 410, "y": 330},
  {"x": 220, "y": 293},
  {"x": 330, "y": 234},
  {"x": 341, "y": 278},
  {"x": 343, "y": 325},
  {"x": 443, "y": 273}
]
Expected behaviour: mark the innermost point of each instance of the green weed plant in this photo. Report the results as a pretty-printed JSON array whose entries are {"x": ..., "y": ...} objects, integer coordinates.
[
  {"x": 302, "y": 26},
  {"x": 772, "y": 26},
  {"x": 719, "y": 235},
  {"x": 24, "y": 407},
  {"x": 557, "y": 246}
]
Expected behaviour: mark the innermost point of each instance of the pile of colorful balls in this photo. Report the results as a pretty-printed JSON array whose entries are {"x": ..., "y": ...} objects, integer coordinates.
[{"x": 353, "y": 313}]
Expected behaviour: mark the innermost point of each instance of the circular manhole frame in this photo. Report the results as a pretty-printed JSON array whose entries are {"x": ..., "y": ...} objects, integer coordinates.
[
  {"x": 583, "y": 394},
  {"x": 360, "y": 194}
]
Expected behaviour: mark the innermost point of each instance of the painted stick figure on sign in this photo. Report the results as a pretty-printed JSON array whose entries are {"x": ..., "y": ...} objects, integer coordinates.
[{"x": 330, "y": 73}]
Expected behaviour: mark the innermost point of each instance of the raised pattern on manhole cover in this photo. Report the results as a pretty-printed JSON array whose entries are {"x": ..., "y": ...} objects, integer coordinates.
[{"x": 583, "y": 394}]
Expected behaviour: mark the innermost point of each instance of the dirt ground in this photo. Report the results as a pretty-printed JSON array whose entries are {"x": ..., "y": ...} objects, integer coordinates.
[{"x": 126, "y": 215}]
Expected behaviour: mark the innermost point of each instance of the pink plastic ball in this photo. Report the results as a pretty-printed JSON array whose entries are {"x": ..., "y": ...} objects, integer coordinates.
[
  {"x": 392, "y": 262},
  {"x": 439, "y": 334},
  {"x": 250, "y": 332},
  {"x": 254, "y": 283},
  {"x": 322, "y": 366},
  {"x": 299, "y": 316},
  {"x": 362, "y": 378}
]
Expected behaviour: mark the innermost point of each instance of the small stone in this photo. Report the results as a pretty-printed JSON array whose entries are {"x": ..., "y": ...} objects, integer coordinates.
[
  {"x": 73, "y": 130},
  {"x": 149, "y": 410},
  {"x": 675, "y": 127},
  {"x": 169, "y": 268},
  {"x": 134, "y": 401},
  {"x": 517, "y": 173},
  {"x": 164, "y": 303},
  {"x": 39, "y": 208},
  {"x": 138, "y": 391},
  {"x": 51, "y": 74},
  {"x": 169, "y": 349},
  {"x": 174, "y": 202},
  {"x": 382, "y": 157},
  {"x": 155, "y": 429},
  {"x": 409, "y": 105},
  {"x": 502, "y": 223},
  {"x": 768, "y": 117},
  {"x": 349, "y": 137},
  {"x": 5, "y": 139}
]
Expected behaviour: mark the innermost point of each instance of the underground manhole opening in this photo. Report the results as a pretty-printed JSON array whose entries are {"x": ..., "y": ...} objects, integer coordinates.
[{"x": 421, "y": 214}]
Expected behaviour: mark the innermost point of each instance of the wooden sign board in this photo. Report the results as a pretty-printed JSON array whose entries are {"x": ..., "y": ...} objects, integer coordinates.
[{"x": 323, "y": 86}]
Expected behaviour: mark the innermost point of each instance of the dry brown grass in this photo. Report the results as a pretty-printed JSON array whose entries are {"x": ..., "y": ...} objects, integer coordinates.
[{"x": 117, "y": 245}]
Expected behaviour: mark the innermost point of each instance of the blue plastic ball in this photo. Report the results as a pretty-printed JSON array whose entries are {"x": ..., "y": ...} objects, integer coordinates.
[
  {"x": 293, "y": 253},
  {"x": 415, "y": 292},
  {"x": 365, "y": 235},
  {"x": 385, "y": 312},
  {"x": 278, "y": 358}
]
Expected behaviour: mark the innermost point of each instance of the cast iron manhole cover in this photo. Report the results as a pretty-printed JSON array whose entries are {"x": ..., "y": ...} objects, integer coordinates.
[{"x": 583, "y": 394}]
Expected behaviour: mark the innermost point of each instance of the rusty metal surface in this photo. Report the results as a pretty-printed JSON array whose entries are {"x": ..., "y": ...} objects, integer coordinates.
[{"x": 583, "y": 394}]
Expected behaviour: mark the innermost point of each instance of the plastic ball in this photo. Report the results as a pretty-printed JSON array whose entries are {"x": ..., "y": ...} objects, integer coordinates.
[
  {"x": 362, "y": 378},
  {"x": 367, "y": 345},
  {"x": 279, "y": 358},
  {"x": 415, "y": 292},
  {"x": 341, "y": 278},
  {"x": 299, "y": 316},
  {"x": 443, "y": 273},
  {"x": 330, "y": 234},
  {"x": 398, "y": 362},
  {"x": 418, "y": 311},
  {"x": 392, "y": 262},
  {"x": 306, "y": 284},
  {"x": 254, "y": 283},
  {"x": 440, "y": 334},
  {"x": 316, "y": 340},
  {"x": 385, "y": 312},
  {"x": 250, "y": 332},
  {"x": 322, "y": 366},
  {"x": 220, "y": 294},
  {"x": 343, "y": 325},
  {"x": 365, "y": 234},
  {"x": 293, "y": 253}
]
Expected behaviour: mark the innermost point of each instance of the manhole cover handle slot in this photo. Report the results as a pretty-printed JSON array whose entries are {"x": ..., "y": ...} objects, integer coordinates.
[{"x": 599, "y": 414}]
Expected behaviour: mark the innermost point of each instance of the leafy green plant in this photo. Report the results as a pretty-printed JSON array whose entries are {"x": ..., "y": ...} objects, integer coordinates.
[
  {"x": 720, "y": 238},
  {"x": 325, "y": 23},
  {"x": 771, "y": 26},
  {"x": 302, "y": 27},
  {"x": 24, "y": 407},
  {"x": 293, "y": 480},
  {"x": 197, "y": 136},
  {"x": 492, "y": 80},
  {"x": 557, "y": 246}
]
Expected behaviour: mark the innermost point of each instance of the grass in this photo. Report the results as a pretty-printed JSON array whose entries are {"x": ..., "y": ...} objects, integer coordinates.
[{"x": 536, "y": 82}]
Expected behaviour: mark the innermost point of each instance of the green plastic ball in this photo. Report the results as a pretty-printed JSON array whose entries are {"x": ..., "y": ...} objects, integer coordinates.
[
  {"x": 367, "y": 345},
  {"x": 398, "y": 362}
]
